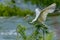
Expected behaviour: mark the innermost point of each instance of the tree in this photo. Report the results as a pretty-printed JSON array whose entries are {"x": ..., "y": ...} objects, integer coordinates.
[{"x": 44, "y": 3}]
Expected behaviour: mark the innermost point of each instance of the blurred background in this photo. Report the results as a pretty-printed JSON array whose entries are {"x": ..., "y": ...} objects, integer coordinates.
[{"x": 13, "y": 12}]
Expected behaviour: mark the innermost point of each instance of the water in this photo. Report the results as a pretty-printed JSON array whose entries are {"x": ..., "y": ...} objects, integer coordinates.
[
  {"x": 8, "y": 26},
  {"x": 54, "y": 23}
]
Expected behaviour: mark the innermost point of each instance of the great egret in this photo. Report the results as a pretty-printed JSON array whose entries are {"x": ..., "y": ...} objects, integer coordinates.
[{"x": 41, "y": 15}]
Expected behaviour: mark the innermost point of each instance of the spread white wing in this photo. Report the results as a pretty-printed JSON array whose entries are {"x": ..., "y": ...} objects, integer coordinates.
[
  {"x": 41, "y": 15},
  {"x": 45, "y": 11},
  {"x": 37, "y": 12}
]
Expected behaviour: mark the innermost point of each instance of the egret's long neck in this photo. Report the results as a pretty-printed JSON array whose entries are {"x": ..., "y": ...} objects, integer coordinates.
[{"x": 37, "y": 15}]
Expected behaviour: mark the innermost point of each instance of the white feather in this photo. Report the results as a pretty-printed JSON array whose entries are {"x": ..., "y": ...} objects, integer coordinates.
[
  {"x": 45, "y": 11},
  {"x": 37, "y": 12},
  {"x": 41, "y": 15}
]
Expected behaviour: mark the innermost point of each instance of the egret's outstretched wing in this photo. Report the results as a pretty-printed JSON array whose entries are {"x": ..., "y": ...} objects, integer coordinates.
[
  {"x": 37, "y": 13},
  {"x": 50, "y": 8},
  {"x": 44, "y": 12}
]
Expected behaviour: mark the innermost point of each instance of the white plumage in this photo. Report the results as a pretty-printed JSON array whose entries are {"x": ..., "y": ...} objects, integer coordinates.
[
  {"x": 37, "y": 11},
  {"x": 41, "y": 15}
]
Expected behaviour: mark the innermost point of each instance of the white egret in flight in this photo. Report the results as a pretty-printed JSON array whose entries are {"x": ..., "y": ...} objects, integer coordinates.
[{"x": 41, "y": 15}]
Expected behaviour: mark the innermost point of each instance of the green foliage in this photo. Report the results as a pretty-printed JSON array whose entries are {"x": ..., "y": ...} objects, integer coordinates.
[
  {"x": 21, "y": 30},
  {"x": 54, "y": 14},
  {"x": 15, "y": 11},
  {"x": 10, "y": 9},
  {"x": 36, "y": 34},
  {"x": 49, "y": 36},
  {"x": 44, "y": 2}
]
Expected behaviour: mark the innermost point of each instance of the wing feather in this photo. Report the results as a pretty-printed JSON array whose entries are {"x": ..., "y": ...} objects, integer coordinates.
[
  {"x": 45, "y": 11},
  {"x": 41, "y": 15}
]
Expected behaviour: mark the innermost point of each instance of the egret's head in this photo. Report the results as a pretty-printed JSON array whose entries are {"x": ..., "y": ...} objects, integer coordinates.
[{"x": 37, "y": 9}]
